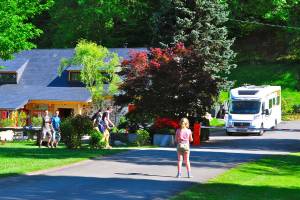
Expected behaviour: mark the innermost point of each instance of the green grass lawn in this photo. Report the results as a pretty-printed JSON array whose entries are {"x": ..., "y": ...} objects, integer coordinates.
[
  {"x": 272, "y": 178},
  {"x": 285, "y": 75},
  {"x": 217, "y": 122},
  {"x": 22, "y": 157}
]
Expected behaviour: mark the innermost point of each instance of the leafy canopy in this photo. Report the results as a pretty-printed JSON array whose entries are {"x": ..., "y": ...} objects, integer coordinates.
[
  {"x": 16, "y": 32},
  {"x": 99, "y": 69},
  {"x": 200, "y": 25},
  {"x": 109, "y": 22},
  {"x": 166, "y": 83}
]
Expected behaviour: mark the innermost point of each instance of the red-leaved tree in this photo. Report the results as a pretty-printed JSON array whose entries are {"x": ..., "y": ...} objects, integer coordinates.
[{"x": 168, "y": 83}]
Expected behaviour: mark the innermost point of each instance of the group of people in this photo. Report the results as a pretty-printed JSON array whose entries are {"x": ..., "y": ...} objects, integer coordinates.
[
  {"x": 50, "y": 128},
  {"x": 102, "y": 123}
]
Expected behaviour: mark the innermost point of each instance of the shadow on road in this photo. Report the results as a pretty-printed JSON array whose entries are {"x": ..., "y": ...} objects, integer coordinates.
[
  {"x": 253, "y": 144},
  {"x": 83, "y": 188}
]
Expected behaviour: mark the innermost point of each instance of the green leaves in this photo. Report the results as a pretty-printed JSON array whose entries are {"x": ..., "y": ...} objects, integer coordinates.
[
  {"x": 99, "y": 69},
  {"x": 111, "y": 23},
  {"x": 16, "y": 32}
]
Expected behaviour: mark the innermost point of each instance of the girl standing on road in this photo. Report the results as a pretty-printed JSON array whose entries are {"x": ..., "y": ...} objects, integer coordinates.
[{"x": 183, "y": 139}]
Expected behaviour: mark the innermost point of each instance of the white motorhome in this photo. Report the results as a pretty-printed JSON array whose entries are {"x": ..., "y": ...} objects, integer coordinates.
[{"x": 251, "y": 108}]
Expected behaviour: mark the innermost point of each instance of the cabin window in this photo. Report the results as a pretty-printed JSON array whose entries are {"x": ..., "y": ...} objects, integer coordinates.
[
  {"x": 6, "y": 78},
  {"x": 74, "y": 76},
  {"x": 270, "y": 103}
]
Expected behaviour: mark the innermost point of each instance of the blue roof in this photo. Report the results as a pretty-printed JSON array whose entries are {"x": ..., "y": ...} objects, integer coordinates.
[
  {"x": 39, "y": 78},
  {"x": 12, "y": 65},
  {"x": 122, "y": 52}
]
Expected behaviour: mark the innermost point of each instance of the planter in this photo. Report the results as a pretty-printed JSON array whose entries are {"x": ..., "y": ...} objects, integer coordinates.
[
  {"x": 164, "y": 140},
  {"x": 132, "y": 137}
]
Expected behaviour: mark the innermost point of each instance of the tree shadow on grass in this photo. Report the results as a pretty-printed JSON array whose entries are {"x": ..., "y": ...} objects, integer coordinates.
[{"x": 219, "y": 191}]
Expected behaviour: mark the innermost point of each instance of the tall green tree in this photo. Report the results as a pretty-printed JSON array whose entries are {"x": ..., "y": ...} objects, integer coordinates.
[
  {"x": 111, "y": 23},
  {"x": 99, "y": 69},
  {"x": 254, "y": 24},
  {"x": 199, "y": 24},
  {"x": 15, "y": 30}
]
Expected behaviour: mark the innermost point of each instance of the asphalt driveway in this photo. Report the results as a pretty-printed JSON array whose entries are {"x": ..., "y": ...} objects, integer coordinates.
[{"x": 148, "y": 173}]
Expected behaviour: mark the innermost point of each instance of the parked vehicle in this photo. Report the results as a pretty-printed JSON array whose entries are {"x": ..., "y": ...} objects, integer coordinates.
[{"x": 252, "y": 108}]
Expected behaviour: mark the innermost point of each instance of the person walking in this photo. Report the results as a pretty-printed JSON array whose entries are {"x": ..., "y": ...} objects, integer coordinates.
[
  {"x": 106, "y": 122},
  {"x": 183, "y": 139},
  {"x": 46, "y": 129},
  {"x": 56, "y": 126},
  {"x": 97, "y": 117}
]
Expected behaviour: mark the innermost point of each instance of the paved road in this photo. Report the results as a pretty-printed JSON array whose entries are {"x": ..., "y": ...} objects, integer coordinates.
[{"x": 148, "y": 173}]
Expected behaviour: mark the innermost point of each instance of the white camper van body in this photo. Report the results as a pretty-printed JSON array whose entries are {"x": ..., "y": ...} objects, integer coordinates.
[{"x": 253, "y": 107}]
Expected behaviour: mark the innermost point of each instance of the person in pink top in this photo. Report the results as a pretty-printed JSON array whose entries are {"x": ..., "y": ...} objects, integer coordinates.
[{"x": 183, "y": 139}]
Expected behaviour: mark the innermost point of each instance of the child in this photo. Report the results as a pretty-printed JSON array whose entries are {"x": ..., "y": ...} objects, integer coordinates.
[{"x": 183, "y": 139}]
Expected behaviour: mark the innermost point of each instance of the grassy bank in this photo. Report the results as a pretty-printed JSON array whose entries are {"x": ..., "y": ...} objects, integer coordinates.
[
  {"x": 285, "y": 75},
  {"x": 19, "y": 158},
  {"x": 276, "y": 177}
]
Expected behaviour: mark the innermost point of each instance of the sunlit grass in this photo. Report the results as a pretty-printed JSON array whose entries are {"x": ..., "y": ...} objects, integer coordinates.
[
  {"x": 22, "y": 157},
  {"x": 276, "y": 177}
]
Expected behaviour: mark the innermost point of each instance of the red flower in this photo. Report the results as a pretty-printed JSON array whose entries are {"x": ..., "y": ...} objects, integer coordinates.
[{"x": 166, "y": 123}]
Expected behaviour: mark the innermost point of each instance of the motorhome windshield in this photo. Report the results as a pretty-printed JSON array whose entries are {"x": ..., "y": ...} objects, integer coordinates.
[{"x": 244, "y": 107}]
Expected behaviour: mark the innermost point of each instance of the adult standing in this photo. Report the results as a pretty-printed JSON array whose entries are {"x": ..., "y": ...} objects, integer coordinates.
[
  {"x": 56, "y": 126},
  {"x": 107, "y": 122},
  {"x": 97, "y": 117},
  {"x": 46, "y": 129}
]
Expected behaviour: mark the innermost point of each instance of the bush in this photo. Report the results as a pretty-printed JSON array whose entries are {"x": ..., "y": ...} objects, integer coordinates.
[
  {"x": 36, "y": 121},
  {"x": 123, "y": 123},
  {"x": 286, "y": 107},
  {"x": 68, "y": 133},
  {"x": 120, "y": 134},
  {"x": 96, "y": 140},
  {"x": 143, "y": 137},
  {"x": 296, "y": 108},
  {"x": 7, "y": 123},
  {"x": 72, "y": 130}
]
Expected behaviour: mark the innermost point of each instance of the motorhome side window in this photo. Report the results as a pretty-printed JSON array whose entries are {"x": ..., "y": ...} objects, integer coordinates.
[
  {"x": 270, "y": 103},
  {"x": 274, "y": 101},
  {"x": 263, "y": 107},
  {"x": 278, "y": 100}
]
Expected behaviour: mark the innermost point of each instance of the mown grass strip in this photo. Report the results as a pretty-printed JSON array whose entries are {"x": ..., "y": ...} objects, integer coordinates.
[
  {"x": 24, "y": 157},
  {"x": 275, "y": 177}
]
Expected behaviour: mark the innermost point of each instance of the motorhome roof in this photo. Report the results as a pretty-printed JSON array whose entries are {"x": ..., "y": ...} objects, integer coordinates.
[{"x": 253, "y": 92}]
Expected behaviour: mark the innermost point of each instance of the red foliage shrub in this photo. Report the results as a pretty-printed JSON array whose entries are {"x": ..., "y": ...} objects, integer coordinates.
[{"x": 162, "y": 123}]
